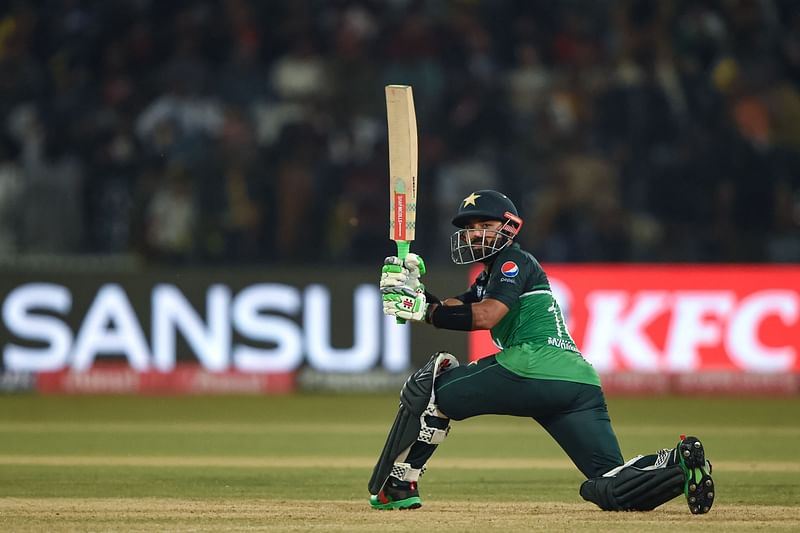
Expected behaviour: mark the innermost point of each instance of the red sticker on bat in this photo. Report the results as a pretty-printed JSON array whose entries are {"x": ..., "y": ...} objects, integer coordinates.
[{"x": 399, "y": 216}]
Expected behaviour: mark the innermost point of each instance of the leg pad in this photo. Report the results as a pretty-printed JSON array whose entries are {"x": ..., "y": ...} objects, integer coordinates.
[
  {"x": 634, "y": 489},
  {"x": 417, "y": 406}
]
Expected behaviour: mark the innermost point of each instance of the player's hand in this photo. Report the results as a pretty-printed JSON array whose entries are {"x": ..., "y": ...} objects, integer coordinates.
[
  {"x": 416, "y": 268},
  {"x": 393, "y": 274},
  {"x": 397, "y": 273},
  {"x": 405, "y": 303}
]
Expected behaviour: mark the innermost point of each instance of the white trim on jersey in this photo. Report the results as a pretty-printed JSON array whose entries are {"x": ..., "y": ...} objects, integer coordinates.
[{"x": 540, "y": 291}]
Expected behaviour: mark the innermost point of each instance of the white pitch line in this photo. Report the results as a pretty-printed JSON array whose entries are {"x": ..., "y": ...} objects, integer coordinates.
[
  {"x": 343, "y": 462},
  {"x": 349, "y": 428}
]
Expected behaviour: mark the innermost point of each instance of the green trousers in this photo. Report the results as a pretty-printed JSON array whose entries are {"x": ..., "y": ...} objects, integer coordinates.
[{"x": 574, "y": 414}]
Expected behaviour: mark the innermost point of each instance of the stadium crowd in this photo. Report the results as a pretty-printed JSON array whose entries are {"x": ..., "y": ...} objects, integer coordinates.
[{"x": 238, "y": 131}]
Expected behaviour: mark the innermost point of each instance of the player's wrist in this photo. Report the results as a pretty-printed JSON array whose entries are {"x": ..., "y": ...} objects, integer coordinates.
[
  {"x": 430, "y": 297},
  {"x": 429, "y": 312}
]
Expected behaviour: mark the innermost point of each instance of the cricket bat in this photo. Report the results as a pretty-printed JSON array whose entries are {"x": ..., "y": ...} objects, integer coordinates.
[{"x": 403, "y": 158}]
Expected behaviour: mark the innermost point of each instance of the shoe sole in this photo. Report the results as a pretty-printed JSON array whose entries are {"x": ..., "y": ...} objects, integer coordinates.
[
  {"x": 699, "y": 487},
  {"x": 413, "y": 502}
]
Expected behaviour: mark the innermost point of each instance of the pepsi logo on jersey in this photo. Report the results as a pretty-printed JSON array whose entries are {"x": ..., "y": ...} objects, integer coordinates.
[{"x": 509, "y": 269}]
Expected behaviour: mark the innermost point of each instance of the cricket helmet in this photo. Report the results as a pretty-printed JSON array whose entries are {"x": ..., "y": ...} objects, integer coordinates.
[{"x": 471, "y": 245}]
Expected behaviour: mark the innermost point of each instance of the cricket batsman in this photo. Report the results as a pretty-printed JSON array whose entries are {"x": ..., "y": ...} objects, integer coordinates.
[{"x": 538, "y": 372}]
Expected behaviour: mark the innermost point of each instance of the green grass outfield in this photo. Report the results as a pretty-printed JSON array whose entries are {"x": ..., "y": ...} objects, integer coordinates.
[{"x": 301, "y": 463}]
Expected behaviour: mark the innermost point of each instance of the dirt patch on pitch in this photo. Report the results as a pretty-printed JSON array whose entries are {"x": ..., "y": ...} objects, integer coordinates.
[{"x": 135, "y": 514}]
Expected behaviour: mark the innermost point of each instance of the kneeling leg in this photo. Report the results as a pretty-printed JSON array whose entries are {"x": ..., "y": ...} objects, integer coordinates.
[{"x": 629, "y": 488}]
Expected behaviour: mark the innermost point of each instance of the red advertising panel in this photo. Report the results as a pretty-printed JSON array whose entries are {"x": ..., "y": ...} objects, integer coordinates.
[{"x": 678, "y": 319}]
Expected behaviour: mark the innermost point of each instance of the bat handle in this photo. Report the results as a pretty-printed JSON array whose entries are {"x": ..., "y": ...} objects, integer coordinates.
[{"x": 402, "y": 251}]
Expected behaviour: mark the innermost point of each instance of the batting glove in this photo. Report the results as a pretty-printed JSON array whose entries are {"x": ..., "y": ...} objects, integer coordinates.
[
  {"x": 416, "y": 268},
  {"x": 397, "y": 273},
  {"x": 405, "y": 303}
]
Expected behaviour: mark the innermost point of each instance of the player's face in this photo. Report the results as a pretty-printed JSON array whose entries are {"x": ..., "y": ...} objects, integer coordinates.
[
  {"x": 478, "y": 239},
  {"x": 477, "y": 231}
]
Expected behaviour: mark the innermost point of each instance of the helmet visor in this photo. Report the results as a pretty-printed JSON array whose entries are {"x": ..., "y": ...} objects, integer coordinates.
[{"x": 470, "y": 245}]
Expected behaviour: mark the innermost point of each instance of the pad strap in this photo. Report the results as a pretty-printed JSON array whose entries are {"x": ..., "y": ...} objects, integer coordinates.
[
  {"x": 404, "y": 472},
  {"x": 435, "y": 424},
  {"x": 432, "y": 434}
]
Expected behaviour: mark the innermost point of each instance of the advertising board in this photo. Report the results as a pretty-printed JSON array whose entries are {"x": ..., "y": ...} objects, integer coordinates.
[{"x": 646, "y": 329}]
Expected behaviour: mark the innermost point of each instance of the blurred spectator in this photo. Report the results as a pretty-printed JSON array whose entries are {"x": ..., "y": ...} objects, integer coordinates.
[
  {"x": 358, "y": 229},
  {"x": 170, "y": 216},
  {"x": 528, "y": 83},
  {"x": 11, "y": 188},
  {"x": 300, "y": 74},
  {"x": 300, "y": 213},
  {"x": 53, "y": 201},
  {"x": 231, "y": 193},
  {"x": 21, "y": 74}
]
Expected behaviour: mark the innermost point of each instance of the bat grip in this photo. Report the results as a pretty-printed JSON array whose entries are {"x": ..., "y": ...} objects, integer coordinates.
[{"x": 402, "y": 251}]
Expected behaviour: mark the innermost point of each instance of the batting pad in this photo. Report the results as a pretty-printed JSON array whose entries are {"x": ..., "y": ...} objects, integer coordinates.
[{"x": 417, "y": 399}]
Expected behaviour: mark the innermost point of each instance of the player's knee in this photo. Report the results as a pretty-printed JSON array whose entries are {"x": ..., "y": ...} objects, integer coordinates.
[
  {"x": 420, "y": 396},
  {"x": 451, "y": 406},
  {"x": 457, "y": 416}
]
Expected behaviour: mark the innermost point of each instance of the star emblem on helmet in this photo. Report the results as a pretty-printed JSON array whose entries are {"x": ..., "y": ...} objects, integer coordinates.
[{"x": 470, "y": 200}]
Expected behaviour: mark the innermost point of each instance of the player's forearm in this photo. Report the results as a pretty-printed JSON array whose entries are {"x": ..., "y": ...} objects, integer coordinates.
[
  {"x": 456, "y": 317},
  {"x": 455, "y": 314},
  {"x": 465, "y": 316}
]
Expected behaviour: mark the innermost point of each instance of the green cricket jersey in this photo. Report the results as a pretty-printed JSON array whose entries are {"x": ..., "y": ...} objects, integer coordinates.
[{"x": 533, "y": 335}]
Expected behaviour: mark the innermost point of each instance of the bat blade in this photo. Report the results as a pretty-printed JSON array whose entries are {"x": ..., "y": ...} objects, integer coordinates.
[
  {"x": 403, "y": 158},
  {"x": 403, "y": 162}
]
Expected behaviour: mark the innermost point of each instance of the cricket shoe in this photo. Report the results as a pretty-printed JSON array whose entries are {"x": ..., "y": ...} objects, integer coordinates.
[
  {"x": 698, "y": 487},
  {"x": 396, "y": 494}
]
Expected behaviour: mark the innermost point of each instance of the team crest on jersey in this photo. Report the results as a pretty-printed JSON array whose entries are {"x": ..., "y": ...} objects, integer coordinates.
[{"x": 509, "y": 269}]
